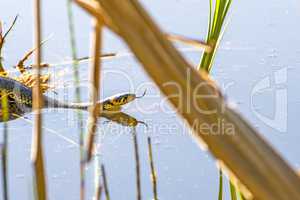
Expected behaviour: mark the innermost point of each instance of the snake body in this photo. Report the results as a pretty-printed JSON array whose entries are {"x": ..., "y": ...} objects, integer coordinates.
[{"x": 20, "y": 98}]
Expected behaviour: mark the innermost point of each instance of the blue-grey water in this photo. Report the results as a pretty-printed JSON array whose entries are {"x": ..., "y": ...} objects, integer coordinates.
[{"x": 256, "y": 65}]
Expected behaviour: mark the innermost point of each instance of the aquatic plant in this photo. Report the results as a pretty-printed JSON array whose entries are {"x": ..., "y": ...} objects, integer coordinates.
[{"x": 216, "y": 21}]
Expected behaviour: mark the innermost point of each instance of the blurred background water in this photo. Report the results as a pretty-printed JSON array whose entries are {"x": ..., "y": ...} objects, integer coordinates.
[{"x": 260, "y": 41}]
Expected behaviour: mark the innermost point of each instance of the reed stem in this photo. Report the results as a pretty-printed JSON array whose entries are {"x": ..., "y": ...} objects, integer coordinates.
[
  {"x": 105, "y": 185},
  {"x": 94, "y": 86},
  {"x": 2, "y": 39},
  {"x": 4, "y": 147},
  {"x": 214, "y": 35},
  {"x": 153, "y": 172},
  {"x": 137, "y": 164},
  {"x": 75, "y": 64},
  {"x": 220, "y": 194},
  {"x": 193, "y": 42},
  {"x": 232, "y": 191},
  {"x": 97, "y": 174},
  {"x": 37, "y": 139},
  {"x": 273, "y": 176}
]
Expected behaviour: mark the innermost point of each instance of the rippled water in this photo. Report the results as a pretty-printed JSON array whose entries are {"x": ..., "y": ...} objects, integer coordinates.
[{"x": 261, "y": 41}]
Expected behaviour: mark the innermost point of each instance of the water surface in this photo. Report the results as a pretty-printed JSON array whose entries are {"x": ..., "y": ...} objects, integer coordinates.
[{"x": 261, "y": 39}]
